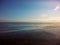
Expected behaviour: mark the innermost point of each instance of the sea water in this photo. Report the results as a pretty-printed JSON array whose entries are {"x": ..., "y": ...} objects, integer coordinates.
[{"x": 15, "y": 26}]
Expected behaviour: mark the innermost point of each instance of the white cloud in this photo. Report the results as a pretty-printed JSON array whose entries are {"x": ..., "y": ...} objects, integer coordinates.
[{"x": 57, "y": 7}]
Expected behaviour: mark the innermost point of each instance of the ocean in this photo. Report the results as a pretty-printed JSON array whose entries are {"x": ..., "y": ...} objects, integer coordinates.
[{"x": 17, "y": 26}]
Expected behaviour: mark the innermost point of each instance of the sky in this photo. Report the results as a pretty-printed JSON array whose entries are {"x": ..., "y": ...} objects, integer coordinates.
[{"x": 30, "y": 10}]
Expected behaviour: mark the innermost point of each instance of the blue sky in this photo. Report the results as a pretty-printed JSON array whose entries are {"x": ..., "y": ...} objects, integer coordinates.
[{"x": 28, "y": 10}]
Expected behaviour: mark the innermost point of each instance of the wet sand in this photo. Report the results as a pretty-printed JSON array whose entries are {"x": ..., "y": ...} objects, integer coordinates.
[{"x": 30, "y": 37}]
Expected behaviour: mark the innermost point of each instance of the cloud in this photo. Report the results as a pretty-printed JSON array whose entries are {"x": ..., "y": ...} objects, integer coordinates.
[{"x": 57, "y": 7}]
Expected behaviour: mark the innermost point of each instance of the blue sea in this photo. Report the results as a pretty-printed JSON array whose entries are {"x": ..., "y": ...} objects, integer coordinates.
[{"x": 17, "y": 26}]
